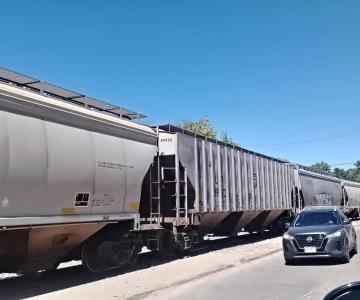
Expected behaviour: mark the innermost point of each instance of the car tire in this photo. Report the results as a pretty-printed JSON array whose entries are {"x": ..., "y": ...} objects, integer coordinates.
[{"x": 289, "y": 261}]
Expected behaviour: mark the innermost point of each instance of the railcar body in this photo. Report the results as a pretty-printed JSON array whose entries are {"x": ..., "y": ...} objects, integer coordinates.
[
  {"x": 318, "y": 189},
  {"x": 352, "y": 197},
  {"x": 215, "y": 187},
  {"x": 66, "y": 173}
]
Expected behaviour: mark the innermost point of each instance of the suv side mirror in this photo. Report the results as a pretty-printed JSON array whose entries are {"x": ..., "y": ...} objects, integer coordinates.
[
  {"x": 347, "y": 222},
  {"x": 287, "y": 225}
]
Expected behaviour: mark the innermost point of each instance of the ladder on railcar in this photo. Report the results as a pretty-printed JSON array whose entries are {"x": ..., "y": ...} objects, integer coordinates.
[
  {"x": 177, "y": 180},
  {"x": 155, "y": 199}
]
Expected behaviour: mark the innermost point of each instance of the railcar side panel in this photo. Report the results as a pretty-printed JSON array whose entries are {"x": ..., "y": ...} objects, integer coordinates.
[
  {"x": 234, "y": 179},
  {"x": 50, "y": 169},
  {"x": 352, "y": 194},
  {"x": 319, "y": 189},
  {"x": 233, "y": 187}
]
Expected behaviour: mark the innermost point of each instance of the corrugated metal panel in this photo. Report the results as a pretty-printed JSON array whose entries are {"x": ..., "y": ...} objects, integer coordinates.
[
  {"x": 272, "y": 186},
  {"x": 226, "y": 172},
  {"x": 246, "y": 195},
  {"x": 232, "y": 179},
  {"x": 204, "y": 175},
  {"x": 219, "y": 178},
  {"x": 196, "y": 175},
  {"x": 239, "y": 181},
  {"x": 212, "y": 177}
]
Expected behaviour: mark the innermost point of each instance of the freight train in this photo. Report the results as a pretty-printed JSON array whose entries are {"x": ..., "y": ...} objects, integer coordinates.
[{"x": 81, "y": 179}]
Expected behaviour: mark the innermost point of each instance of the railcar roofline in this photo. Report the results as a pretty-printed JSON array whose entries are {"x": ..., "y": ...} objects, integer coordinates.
[
  {"x": 174, "y": 129},
  {"x": 53, "y": 91}
]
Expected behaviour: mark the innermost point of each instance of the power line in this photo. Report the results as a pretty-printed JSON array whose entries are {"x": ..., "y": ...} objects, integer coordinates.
[
  {"x": 342, "y": 164},
  {"x": 314, "y": 140}
]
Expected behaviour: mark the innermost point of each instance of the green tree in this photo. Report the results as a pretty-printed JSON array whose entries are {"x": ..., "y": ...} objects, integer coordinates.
[
  {"x": 225, "y": 138},
  {"x": 352, "y": 174},
  {"x": 355, "y": 172},
  {"x": 322, "y": 167},
  {"x": 202, "y": 127},
  {"x": 340, "y": 173},
  {"x": 357, "y": 164}
]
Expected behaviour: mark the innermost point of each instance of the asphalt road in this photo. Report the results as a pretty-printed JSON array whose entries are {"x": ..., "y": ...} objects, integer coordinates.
[{"x": 269, "y": 278}]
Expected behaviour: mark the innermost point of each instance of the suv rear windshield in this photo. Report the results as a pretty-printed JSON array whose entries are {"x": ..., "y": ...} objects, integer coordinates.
[{"x": 313, "y": 218}]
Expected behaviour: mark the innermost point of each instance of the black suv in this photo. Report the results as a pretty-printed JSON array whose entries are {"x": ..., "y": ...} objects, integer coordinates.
[{"x": 320, "y": 232}]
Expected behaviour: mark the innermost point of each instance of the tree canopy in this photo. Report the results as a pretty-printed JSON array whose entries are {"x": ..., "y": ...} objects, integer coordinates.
[
  {"x": 352, "y": 174},
  {"x": 226, "y": 139},
  {"x": 322, "y": 167},
  {"x": 202, "y": 127},
  {"x": 205, "y": 128}
]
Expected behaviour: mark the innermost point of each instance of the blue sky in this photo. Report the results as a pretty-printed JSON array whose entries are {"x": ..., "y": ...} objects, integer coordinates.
[{"x": 281, "y": 77}]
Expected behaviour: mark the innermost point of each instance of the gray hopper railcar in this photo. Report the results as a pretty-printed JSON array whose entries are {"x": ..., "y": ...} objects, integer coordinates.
[
  {"x": 318, "y": 189},
  {"x": 351, "y": 194},
  {"x": 199, "y": 186},
  {"x": 70, "y": 177}
]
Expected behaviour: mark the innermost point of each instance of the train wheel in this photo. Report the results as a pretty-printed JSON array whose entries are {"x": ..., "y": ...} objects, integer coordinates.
[
  {"x": 99, "y": 254},
  {"x": 133, "y": 258},
  {"x": 166, "y": 243},
  {"x": 135, "y": 253}
]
